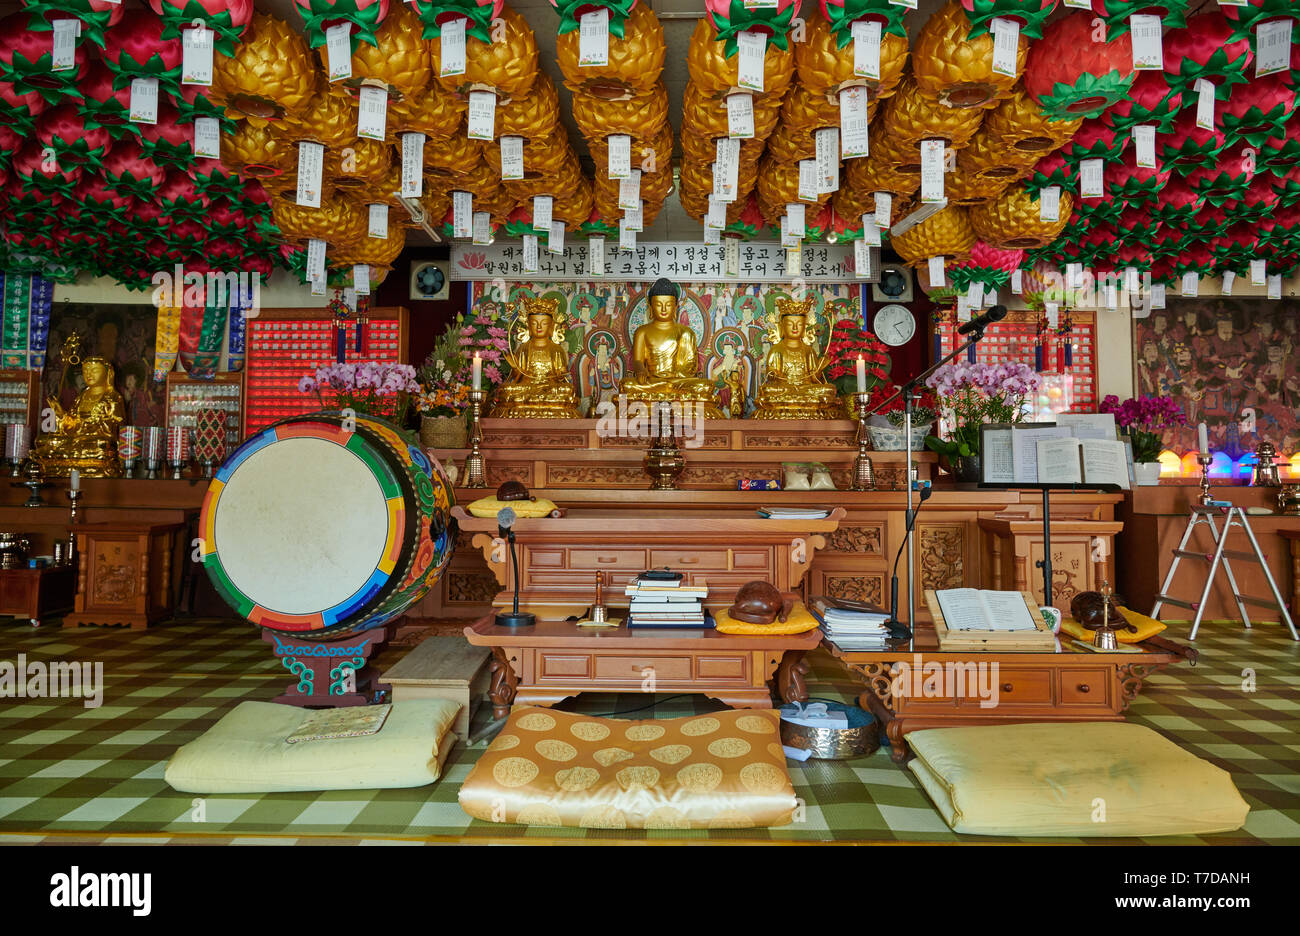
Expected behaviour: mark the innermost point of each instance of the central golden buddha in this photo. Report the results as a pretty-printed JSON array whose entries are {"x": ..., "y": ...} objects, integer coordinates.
[
  {"x": 86, "y": 437},
  {"x": 539, "y": 385},
  {"x": 794, "y": 385},
  {"x": 665, "y": 358}
]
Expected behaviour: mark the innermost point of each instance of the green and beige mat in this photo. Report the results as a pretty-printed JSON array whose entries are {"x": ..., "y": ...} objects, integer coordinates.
[{"x": 75, "y": 774}]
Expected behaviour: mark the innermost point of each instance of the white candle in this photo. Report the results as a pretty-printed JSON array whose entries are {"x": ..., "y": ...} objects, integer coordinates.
[
  {"x": 74, "y": 480},
  {"x": 862, "y": 375},
  {"x": 1203, "y": 438},
  {"x": 478, "y": 371}
]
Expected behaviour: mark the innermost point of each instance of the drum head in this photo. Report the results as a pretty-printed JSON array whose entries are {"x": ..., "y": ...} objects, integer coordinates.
[{"x": 303, "y": 526}]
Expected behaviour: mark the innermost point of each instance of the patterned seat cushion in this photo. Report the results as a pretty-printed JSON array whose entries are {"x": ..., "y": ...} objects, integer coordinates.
[{"x": 725, "y": 770}]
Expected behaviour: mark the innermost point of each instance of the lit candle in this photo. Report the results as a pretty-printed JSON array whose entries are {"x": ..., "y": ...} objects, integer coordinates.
[
  {"x": 862, "y": 375},
  {"x": 478, "y": 371},
  {"x": 74, "y": 480},
  {"x": 1203, "y": 439}
]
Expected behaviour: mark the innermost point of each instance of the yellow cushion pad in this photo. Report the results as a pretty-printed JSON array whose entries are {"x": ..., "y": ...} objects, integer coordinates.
[
  {"x": 1146, "y": 627},
  {"x": 247, "y": 752},
  {"x": 1077, "y": 779},
  {"x": 800, "y": 620},
  {"x": 550, "y": 768},
  {"x": 489, "y": 506}
]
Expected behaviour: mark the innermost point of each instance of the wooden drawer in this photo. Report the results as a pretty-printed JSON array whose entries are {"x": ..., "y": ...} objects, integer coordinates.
[
  {"x": 751, "y": 559},
  {"x": 534, "y": 578},
  {"x": 1023, "y": 686},
  {"x": 544, "y": 558},
  {"x": 687, "y": 559},
  {"x": 722, "y": 667},
  {"x": 632, "y": 559},
  {"x": 1085, "y": 686},
  {"x": 719, "y": 582},
  {"x": 632, "y": 668},
  {"x": 563, "y": 665}
]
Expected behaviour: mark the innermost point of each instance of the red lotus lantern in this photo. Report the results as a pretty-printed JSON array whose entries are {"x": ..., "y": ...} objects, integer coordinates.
[
  {"x": 1096, "y": 139},
  {"x": 1194, "y": 258},
  {"x": 1030, "y": 15},
  {"x": 1150, "y": 101},
  {"x": 135, "y": 48},
  {"x": 104, "y": 105},
  {"x": 1190, "y": 146},
  {"x": 1209, "y": 222},
  {"x": 1227, "y": 179},
  {"x": 1072, "y": 75},
  {"x": 193, "y": 102},
  {"x": 1205, "y": 49},
  {"x": 364, "y": 16},
  {"x": 95, "y": 15},
  {"x": 168, "y": 142},
  {"x": 180, "y": 199},
  {"x": 9, "y": 143},
  {"x": 479, "y": 13},
  {"x": 1258, "y": 111},
  {"x": 1286, "y": 188},
  {"x": 1053, "y": 169},
  {"x": 226, "y": 18},
  {"x": 1259, "y": 200},
  {"x": 128, "y": 171},
  {"x": 989, "y": 265},
  {"x": 1245, "y": 19},
  {"x": 1281, "y": 153},
  {"x": 1133, "y": 184},
  {"x": 41, "y": 173},
  {"x": 1136, "y": 226},
  {"x": 214, "y": 180},
  {"x": 97, "y": 198},
  {"x": 27, "y": 64},
  {"x": 65, "y": 132},
  {"x": 1116, "y": 13}
]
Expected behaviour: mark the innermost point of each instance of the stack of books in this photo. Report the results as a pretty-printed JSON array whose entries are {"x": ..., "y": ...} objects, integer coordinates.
[
  {"x": 852, "y": 625},
  {"x": 665, "y": 604},
  {"x": 794, "y": 513}
]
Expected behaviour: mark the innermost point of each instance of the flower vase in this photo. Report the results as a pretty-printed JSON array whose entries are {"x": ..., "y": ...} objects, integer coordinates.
[
  {"x": 1147, "y": 474},
  {"x": 443, "y": 432},
  {"x": 968, "y": 469}
]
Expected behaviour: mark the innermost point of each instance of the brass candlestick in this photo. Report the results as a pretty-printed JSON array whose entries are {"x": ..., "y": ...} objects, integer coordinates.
[
  {"x": 1266, "y": 473},
  {"x": 1104, "y": 637},
  {"x": 864, "y": 475},
  {"x": 73, "y": 496},
  {"x": 663, "y": 461},
  {"x": 1203, "y": 459},
  {"x": 475, "y": 468}
]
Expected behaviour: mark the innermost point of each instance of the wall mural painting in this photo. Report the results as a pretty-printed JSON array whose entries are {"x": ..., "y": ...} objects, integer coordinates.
[
  {"x": 728, "y": 321},
  {"x": 124, "y": 334},
  {"x": 1232, "y": 363}
]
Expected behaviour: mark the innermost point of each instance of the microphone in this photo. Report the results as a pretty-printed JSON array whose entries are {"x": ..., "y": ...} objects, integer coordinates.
[
  {"x": 505, "y": 520},
  {"x": 981, "y": 322}
]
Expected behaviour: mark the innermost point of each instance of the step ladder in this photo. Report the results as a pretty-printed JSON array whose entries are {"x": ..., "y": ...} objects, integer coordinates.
[{"x": 1232, "y": 516}]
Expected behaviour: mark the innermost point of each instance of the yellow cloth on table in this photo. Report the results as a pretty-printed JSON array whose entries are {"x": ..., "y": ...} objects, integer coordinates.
[
  {"x": 1072, "y": 778},
  {"x": 800, "y": 620},
  {"x": 489, "y": 506},
  {"x": 1146, "y": 627},
  {"x": 551, "y": 768}
]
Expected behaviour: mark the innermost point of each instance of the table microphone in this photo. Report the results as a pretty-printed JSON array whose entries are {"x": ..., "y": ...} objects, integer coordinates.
[
  {"x": 514, "y": 618},
  {"x": 981, "y": 322}
]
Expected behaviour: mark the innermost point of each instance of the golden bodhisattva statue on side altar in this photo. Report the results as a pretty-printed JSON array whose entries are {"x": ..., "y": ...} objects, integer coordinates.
[
  {"x": 794, "y": 385},
  {"x": 665, "y": 358},
  {"x": 86, "y": 438},
  {"x": 539, "y": 386}
]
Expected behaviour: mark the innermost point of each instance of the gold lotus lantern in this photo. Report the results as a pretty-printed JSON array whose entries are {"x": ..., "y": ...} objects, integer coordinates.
[
  {"x": 566, "y": 178},
  {"x": 257, "y": 153},
  {"x": 385, "y": 190},
  {"x": 852, "y": 203},
  {"x": 575, "y": 207},
  {"x": 454, "y": 153},
  {"x": 1012, "y": 221},
  {"x": 707, "y": 115},
  {"x": 507, "y": 65},
  {"x": 641, "y": 116},
  {"x": 824, "y": 68},
  {"x": 542, "y": 155},
  {"x": 778, "y": 184},
  {"x": 380, "y": 252},
  {"x": 327, "y": 118},
  {"x": 399, "y": 60},
  {"x": 716, "y": 75},
  {"x": 1019, "y": 124},
  {"x": 985, "y": 159},
  {"x": 433, "y": 112},
  {"x": 270, "y": 75},
  {"x": 530, "y": 115},
  {"x": 802, "y": 109},
  {"x": 911, "y": 117},
  {"x": 654, "y": 154},
  {"x": 358, "y": 165},
  {"x": 702, "y": 149},
  {"x": 955, "y": 69},
  {"x": 945, "y": 233},
  {"x": 965, "y": 188},
  {"x": 336, "y": 221},
  {"x": 873, "y": 175},
  {"x": 654, "y": 188},
  {"x": 635, "y": 60}
]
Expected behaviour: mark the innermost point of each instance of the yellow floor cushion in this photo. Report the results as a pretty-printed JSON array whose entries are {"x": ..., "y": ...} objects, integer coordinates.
[
  {"x": 1074, "y": 779},
  {"x": 489, "y": 506},
  {"x": 550, "y": 768},
  {"x": 1146, "y": 627},
  {"x": 248, "y": 751},
  {"x": 799, "y": 620}
]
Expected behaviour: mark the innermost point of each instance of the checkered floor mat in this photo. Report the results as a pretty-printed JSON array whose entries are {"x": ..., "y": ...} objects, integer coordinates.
[{"x": 74, "y": 774}]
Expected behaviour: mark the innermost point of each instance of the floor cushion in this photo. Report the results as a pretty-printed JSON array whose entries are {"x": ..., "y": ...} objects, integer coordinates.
[
  {"x": 247, "y": 751},
  {"x": 1078, "y": 779},
  {"x": 725, "y": 770},
  {"x": 799, "y": 620},
  {"x": 1146, "y": 627}
]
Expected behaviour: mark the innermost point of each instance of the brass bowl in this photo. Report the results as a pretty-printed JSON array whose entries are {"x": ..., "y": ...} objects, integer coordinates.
[{"x": 861, "y": 738}]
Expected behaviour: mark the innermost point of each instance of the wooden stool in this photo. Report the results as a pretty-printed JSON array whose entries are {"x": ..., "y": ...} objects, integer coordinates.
[{"x": 443, "y": 668}]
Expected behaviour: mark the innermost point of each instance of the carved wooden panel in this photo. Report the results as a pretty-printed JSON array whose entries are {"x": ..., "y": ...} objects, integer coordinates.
[
  {"x": 772, "y": 440},
  {"x": 720, "y": 441},
  {"x": 856, "y": 539},
  {"x": 1072, "y": 571},
  {"x": 941, "y": 555},
  {"x": 470, "y": 587},
  {"x": 587, "y": 474},
  {"x": 115, "y": 574},
  {"x": 513, "y": 438},
  {"x": 857, "y": 587},
  {"x": 499, "y": 472}
]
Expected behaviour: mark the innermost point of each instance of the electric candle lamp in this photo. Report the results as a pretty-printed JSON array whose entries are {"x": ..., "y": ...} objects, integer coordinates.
[
  {"x": 478, "y": 371},
  {"x": 862, "y": 374},
  {"x": 1203, "y": 439}
]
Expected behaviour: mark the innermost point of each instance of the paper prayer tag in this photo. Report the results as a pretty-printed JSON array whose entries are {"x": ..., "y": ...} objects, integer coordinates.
[
  {"x": 620, "y": 156},
  {"x": 451, "y": 39},
  {"x": 794, "y": 215},
  {"x": 64, "y": 54},
  {"x": 338, "y": 52},
  {"x": 866, "y": 49},
  {"x": 144, "y": 100},
  {"x": 377, "y": 225},
  {"x": 372, "y": 113},
  {"x": 740, "y": 116},
  {"x": 593, "y": 38},
  {"x": 1006, "y": 45},
  {"x": 935, "y": 270},
  {"x": 1148, "y": 47},
  {"x": 1144, "y": 138},
  {"x": 207, "y": 137},
  {"x": 412, "y": 164},
  {"x": 482, "y": 116},
  {"x": 751, "y": 49}
]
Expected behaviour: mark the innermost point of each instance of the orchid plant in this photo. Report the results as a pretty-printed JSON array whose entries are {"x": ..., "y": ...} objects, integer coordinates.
[
  {"x": 369, "y": 387},
  {"x": 973, "y": 394},
  {"x": 1145, "y": 419}
]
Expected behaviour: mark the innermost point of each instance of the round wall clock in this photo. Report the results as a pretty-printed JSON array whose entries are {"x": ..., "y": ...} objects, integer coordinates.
[{"x": 894, "y": 325}]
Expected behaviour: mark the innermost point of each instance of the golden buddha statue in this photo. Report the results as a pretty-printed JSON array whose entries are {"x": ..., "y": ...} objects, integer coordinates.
[
  {"x": 86, "y": 437},
  {"x": 539, "y": 387},
  {"x": 664, "y": 358},
  {"x": 793, "y": 384}
]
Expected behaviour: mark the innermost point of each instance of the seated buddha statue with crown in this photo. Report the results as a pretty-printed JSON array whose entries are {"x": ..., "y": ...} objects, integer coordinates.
[
  {"x": 793, "y": 383},
  {"x": 539, "y": 386},
  {"x": 665, "y": 358},
  {"x": 86, "y": 436}
]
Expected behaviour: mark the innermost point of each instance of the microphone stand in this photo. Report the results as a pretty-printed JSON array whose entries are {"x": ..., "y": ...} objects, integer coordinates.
[
  {"x": 514, "y": 618},
  {"x": 909, "y": 393}
]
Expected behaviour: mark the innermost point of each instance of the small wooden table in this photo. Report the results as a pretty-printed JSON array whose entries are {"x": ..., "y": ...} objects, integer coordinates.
[
  {"x": 1073, "y": 685},
  {"x": 37, "y": 593},
  {"x": 1293, "y": 538},
  {"x": 553, "y": 660},
  {"x": 443, "y": 668}
]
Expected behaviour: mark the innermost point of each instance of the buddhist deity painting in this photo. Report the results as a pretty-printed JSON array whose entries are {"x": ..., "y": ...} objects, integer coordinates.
[
  {"x": 730, "y": 323},
  {"x": 1232, "y": 363}
]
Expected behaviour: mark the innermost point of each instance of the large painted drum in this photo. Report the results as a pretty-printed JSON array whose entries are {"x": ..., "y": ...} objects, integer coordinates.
[{"x": 321, "y": 526}]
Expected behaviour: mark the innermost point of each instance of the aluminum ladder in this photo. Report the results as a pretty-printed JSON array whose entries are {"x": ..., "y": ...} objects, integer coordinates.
[{"x": 1232, "y": 516}]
